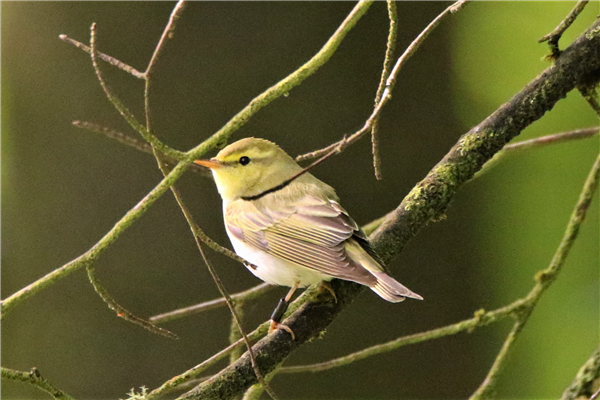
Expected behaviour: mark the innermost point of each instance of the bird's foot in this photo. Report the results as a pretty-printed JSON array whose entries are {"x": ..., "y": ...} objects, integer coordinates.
[{"x": 277, "y": 325}]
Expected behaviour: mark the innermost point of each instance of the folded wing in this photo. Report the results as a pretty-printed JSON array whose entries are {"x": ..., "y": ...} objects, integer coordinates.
[{"x": 317, "y": 234}]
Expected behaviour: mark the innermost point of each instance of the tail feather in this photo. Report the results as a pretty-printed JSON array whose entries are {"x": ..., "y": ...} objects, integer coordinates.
[
  {"x": 390, "y": 289},
  {"x": 385, "y": 286}
]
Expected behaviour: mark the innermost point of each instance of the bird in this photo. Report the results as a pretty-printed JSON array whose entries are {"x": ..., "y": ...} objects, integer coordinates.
[{"x": 292, "y": 233}]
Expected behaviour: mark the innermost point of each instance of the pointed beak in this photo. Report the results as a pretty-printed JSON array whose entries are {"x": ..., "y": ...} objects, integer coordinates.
[{"x": 212, "y": 164}]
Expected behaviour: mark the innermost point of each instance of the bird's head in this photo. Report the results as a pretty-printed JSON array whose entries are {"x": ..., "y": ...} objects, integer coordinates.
[{"x": 249, "y": 167}]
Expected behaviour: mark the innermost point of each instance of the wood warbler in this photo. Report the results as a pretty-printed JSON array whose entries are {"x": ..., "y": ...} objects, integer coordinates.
[{"x": 298, "y": 235}]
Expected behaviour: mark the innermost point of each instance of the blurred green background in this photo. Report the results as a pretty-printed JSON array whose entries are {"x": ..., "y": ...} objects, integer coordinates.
[{"x": 64, "y": 188}]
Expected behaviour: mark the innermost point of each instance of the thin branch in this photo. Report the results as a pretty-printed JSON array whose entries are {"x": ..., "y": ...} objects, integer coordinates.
[
  {"x": 262, "y": 100},
  {"x": 480, "y": 319},
  {"x": 124, "y": 111},
  {"x": 115, "y": 135},
  {"x": 234, "y": 331},
  {"x": 553, "y": 37},
  {"x": 551, "y": 139},
  {"x": 545, "y": 277},
  {"x": 167, "y": 34},
  {"x": 385, "y": 73},
  {"x": 538, "y": 142},
  {"x": 97, "y": 249},
  {"x": 484, "y": 390},
  {"x": 199, "y": 233},
  {"x": 389, "y": 85},
  {"x": 583, "y": 384},
  {"x": 246, "y": 295},
  {"x": 35, "y": 379},
  {"x": 111, "y": 60},
  {"x": 136, "y": 144},
  {"x": 427, "y": 202},
  {"x": 121, "y": 311}
]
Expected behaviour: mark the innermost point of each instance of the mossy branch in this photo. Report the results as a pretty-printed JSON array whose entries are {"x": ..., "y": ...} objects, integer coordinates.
[
  {"x": 426, "y": 203},
  {"x": 586, "y": 382}
]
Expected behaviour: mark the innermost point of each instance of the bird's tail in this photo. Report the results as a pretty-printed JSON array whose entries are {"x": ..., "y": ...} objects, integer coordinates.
[
  {"x": 390, "y": 289},
  {"x": 385, "y": 286}
]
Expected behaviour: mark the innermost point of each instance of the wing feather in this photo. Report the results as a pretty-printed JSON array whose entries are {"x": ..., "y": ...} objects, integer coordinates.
[{"x": 311, "y": 234}]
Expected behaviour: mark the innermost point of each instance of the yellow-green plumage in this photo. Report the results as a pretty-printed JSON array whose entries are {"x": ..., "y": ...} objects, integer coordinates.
[{"x": 298, "y": 234}]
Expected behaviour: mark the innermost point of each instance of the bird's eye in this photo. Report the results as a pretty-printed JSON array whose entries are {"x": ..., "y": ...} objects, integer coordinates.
[{"x": 244, "y": 160}]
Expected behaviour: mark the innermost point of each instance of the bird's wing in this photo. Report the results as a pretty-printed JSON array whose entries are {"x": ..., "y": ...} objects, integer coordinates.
[{"x": 311, "y": 233}]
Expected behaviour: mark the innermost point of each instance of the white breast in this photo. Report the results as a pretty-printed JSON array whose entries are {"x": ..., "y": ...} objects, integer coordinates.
[{"x": 274, "y": 270}]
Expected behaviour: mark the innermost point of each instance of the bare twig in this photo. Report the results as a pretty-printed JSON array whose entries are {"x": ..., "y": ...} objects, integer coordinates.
[
  {"x": 136, "y": 144},
  {"x": 545, "y": 277},
  {"x": 389, "y": 85},
  {"x": 385, "y": 73},
  {"x": 121, "y": 311},
  {"x": 483, "y": 392},
  {"x": 167, "y": 34},
  {"x": 538, "y": 142},
  {"x": 553, "y": 37},
  {"x": 111, "y": 60},
  {"x": 551, "y": 139},
  {"x": 115, "y": 135},
  {"x": 246, "y": 295},
  {"x": 124, "y": 111},
  {"x": 480, "y": 319},
  {"x": 35, "y": 379},
  {"x": 234, "y": 331}
]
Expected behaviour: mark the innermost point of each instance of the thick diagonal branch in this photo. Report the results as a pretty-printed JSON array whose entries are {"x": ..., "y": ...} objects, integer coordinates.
[{"x": 427, "y": 202}]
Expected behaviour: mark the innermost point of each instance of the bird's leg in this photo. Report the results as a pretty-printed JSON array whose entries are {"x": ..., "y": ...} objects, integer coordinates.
[
  {"x": 324, "y": 285},
  {"x": 281, "y": 308}
]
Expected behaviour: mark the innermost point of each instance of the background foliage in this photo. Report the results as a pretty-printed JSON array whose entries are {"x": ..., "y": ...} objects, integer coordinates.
[{"x": 64, "y": 188}]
